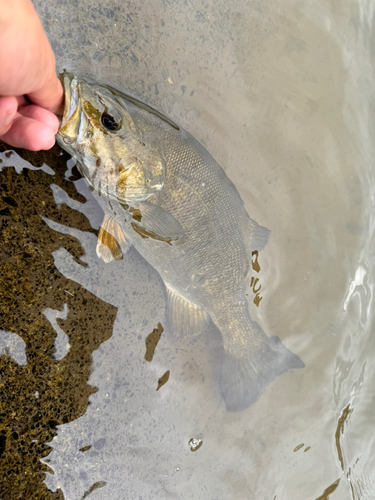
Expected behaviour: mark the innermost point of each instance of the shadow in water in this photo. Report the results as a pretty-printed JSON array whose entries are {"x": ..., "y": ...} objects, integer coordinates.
[{"x": 45, "y": 391}]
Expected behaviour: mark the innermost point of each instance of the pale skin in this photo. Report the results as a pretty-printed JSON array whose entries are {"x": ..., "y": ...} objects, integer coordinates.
[{"x": 27, "y": 68}]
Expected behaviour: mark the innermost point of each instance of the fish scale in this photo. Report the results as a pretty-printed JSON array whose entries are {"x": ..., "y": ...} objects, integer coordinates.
[{"x": 181, "y": 212}]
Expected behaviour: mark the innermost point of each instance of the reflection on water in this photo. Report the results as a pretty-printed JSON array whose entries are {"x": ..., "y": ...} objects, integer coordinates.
[{"x": 283, "y": 97}]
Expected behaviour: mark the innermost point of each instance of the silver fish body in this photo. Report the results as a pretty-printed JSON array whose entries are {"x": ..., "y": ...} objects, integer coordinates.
[{"x": 163, "y": 193}]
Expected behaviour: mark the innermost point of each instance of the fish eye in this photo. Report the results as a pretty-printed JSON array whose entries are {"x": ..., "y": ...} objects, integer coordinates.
[{"x": 110, "y": 122}]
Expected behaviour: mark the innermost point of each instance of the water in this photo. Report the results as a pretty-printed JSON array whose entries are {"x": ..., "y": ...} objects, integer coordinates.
[{"x": 282, "y": 96}]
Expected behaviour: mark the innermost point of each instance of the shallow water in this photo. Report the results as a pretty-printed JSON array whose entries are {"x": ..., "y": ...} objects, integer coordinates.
[{"x": 283, "y": 98}]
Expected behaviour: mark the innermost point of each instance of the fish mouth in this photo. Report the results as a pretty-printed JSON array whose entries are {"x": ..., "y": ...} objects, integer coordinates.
[{"x": 70, "y": 122}]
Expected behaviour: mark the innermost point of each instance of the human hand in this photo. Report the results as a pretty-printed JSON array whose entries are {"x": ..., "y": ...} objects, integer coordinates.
[{"x": 27, "y": 68}]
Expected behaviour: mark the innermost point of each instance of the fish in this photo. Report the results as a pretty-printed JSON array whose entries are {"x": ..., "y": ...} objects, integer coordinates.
[{"x": 164, "y": 194}]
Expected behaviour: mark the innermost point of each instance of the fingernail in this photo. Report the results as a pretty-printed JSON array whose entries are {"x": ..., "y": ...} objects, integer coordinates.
[
  {"x": 8, "y": 119},
  {"x": 9, "y": 116}
]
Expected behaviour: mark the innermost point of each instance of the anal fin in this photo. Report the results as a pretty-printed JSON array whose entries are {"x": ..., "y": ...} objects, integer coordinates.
[
  {"x": 184, "y": 317},
  {"x": 112, "y": 244}
]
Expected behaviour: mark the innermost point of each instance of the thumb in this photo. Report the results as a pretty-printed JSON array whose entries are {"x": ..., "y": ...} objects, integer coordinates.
[{"x": 50, "y": 96}]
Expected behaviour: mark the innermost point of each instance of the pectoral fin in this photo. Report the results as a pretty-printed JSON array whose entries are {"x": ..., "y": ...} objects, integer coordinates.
[
  {"x": 151, "y": 221},
  {"x": 183, "y": 317},
  {"x": 112, "y": 244}
]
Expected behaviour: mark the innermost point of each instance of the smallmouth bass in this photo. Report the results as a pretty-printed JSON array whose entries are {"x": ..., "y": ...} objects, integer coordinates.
[{"x": 164, "y": 194}]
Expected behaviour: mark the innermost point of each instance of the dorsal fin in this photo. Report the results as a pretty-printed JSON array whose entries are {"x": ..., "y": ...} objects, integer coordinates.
[{"x": 259, "y": 236}]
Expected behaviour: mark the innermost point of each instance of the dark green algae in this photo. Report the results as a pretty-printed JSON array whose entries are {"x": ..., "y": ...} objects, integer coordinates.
[{"x": 30, "y": 283}]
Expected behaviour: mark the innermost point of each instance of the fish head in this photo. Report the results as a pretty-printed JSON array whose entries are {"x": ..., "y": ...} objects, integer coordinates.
[{"x": 98, "y": 130}]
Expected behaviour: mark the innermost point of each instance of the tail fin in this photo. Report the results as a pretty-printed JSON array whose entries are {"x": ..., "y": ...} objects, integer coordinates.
[{"x": 243, "y": 380}]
